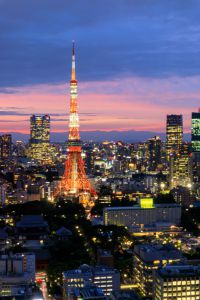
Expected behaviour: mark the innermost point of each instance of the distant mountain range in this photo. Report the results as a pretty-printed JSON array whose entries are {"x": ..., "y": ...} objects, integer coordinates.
[{"x": 99, "y": 136}]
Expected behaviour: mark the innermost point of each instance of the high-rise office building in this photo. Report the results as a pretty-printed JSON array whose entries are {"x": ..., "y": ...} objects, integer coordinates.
[
  {"x": 180, "y": 168},
  {"x": 196, "y": 131},
  {"x": 181, "y": 282},
  {"x": 6, "y": 146},
  {"x": 174, "y": 134},
  {"x": 196, "y": 152},
  {"x": 40, "y": 137},
  {"x": 40, "y": 128},
  {"x": 154, "y": 146}
]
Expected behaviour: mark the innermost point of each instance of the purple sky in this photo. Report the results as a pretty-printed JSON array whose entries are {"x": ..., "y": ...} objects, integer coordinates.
[{"x": 136, "y": 62}]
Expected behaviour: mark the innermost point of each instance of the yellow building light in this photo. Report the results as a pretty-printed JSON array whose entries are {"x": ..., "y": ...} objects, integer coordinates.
[{"x": 146, "y": 203}]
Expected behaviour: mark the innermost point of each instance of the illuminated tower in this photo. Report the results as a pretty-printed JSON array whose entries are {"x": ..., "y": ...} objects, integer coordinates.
[{"x": 75, "y": 183}]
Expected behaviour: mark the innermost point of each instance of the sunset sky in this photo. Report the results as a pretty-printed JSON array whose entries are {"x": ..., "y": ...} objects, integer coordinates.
[{"x": 136, "y": 62}]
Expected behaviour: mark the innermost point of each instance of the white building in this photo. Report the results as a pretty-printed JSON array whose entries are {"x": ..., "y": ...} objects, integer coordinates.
[
  {"x": 103, "y": 277},
  {"x": 137, "y": 216}
]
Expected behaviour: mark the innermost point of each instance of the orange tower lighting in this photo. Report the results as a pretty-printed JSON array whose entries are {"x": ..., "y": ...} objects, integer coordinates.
[{"x": 74, "y": 183}]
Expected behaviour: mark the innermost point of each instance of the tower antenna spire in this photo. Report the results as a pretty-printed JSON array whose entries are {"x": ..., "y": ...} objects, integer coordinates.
[{"x": 73, "y": 62}]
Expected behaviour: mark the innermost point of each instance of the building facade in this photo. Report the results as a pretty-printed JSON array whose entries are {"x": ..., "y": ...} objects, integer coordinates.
[
  {"x": 180, "y": 167},
  {"x": 40, "y": 138},
  {"x": 154, "y": 147},
  {"x": 17, "y": 273},
  {"x": 6, "y": 146},
  {"x": 136, "y": 216},
  {"x": 196, "y": 152},
  {"x": 174, "y": 134},
  {"x": 149, "y": 257},
  {"x": 181, "y": 282},
  {"x": 105, "y": 278}
]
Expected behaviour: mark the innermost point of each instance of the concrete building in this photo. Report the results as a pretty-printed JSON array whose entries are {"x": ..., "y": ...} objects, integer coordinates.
[
  {"x": 154, "y": 146},
  {"x": 107, "y": 279},
  {"x": 6, "y": 146},
  {"x": 137, "y": 217},
  {"x": 105, "y": 258},
  {"x": 17, "y": 273},
  {"x": 181, "y": 282},
  {"x": 184, "y": 196},
  {"x": 89, "y": 292},
  {"x": 149, "y": 257}
]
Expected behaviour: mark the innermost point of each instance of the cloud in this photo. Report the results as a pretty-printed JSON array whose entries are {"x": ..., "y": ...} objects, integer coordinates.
[
  {"x": 124, "y": 104},
  {"x": 115, "y": 39}
]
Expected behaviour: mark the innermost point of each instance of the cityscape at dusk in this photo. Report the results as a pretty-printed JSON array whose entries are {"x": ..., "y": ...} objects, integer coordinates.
[{"x": 99, "y": 150}]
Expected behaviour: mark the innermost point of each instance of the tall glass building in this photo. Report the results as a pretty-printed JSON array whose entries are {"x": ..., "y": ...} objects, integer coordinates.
[
  {"x": 196, "y": 131},
  {"x": 174, "y": 133},
  {"x": 5, "y": 146},
  {"x": 196, "y": 152},
  {"x": 40, "y": 137}
]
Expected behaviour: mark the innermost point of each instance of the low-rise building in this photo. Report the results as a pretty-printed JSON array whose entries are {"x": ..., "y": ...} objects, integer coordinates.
[
  {"x": 32, "y": 227},
  {"x": 124, "y": 295},
  {"x": 107, "y": 279},
  {"x": 89, "y": 292},
  {"x": 149, "y": 257},
  {"x": 17, "y": 274},
  {"x": 141, "y": 215}
]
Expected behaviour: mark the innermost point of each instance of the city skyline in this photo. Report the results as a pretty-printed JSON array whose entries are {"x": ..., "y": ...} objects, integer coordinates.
[{"x": 132, "y": 71}]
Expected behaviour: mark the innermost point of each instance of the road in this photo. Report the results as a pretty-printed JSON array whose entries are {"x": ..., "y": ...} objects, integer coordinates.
[{"x": 44, "y": 291}]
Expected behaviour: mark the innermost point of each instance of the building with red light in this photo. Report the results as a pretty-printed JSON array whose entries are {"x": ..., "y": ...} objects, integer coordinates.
[{"x": 74, "y": 183}]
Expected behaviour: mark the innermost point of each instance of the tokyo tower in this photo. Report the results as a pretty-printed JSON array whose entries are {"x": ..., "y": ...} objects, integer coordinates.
[{"x": 74, "y": 183}]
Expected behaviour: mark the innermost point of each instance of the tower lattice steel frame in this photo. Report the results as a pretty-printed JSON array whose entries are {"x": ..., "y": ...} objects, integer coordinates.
[{"x": 75, "y": 182}]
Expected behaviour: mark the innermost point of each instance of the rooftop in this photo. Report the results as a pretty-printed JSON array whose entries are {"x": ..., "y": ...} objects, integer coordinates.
[
  {"x": 151, "y": 252},
  {"x": 135, "y": 207},
  {"x": 32, "y": 221},
  {"x": 90, "y": 291},
  {"x": 86, "y": 270},
  {"x": 179, "y": 271}
]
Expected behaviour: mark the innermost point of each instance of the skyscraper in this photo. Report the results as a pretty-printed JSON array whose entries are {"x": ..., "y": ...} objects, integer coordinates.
[
  {"x": 174, "y": 134},
  {"x": 40, "y": 137},
  {"x": 196, "y": 152},
  {"x": 154, "y": 146},
  {"x": 196, "y": 131},
  {"x": 75, "y": 183},
  {"x": 6, "y": 146},
  {"x": 179, "y": 168}
]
